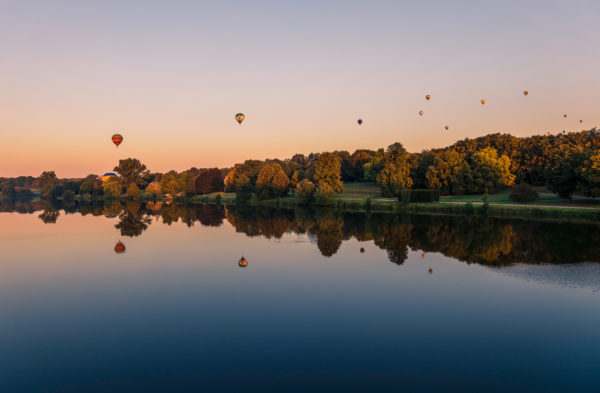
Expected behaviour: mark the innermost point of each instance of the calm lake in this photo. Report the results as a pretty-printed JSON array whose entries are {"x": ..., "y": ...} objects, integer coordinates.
[{"x": 431, "y": 303}]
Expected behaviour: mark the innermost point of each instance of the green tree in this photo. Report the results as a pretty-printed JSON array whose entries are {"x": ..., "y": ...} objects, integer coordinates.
[
  {"x": 373, "y": 166},
  {"x": 395, "y": 174},
  {"x": 131, "y": 170},
  {"x": 443, "y": 173},
  {"x": 328, "y": 171},
  {"x": 112, "y": 187},
  {"x": 564, "y": 175},
  {"x": 45, "y": 181},
  {"x": 490, "y": 171},
  {"x": 590, "y": 174}
]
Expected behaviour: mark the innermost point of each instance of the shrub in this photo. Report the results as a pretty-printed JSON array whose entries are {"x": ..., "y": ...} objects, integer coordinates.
[
  {"x": 243, "y": 193},
  {"x": 305, "y": 191},
  {"x": 523, "y": 193},
  {"x": 209, "y": 180},
  {"x": 324, "y": 194}
]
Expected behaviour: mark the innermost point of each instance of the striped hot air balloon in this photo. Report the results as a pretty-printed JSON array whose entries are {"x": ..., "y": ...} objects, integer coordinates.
[{"x": 117, "y": 139}]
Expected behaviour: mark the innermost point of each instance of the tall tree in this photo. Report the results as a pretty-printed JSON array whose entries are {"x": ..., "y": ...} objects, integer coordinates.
[
  {"x": 490, "y": 171},
  {"x": 395, "y": 174},
  {"x": 209, "y": 180},
  {"x": 328, "y": 171},
  {"x": 131, "y": 170}
]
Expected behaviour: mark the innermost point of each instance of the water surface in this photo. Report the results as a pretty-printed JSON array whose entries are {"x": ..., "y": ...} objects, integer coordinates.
[{"x": 432, "y": 304}]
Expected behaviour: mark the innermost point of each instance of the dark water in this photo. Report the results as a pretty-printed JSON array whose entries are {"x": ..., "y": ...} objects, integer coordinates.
[{"x": 507, "y": 305}]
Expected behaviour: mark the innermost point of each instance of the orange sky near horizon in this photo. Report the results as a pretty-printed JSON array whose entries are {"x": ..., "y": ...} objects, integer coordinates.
[{"x": 170, "y": 78}]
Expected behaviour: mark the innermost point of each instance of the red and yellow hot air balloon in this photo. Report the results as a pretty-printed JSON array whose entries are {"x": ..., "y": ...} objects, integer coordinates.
[
  {"x": 117, "y": 139},
  {"x": 427, "y": 97},
  {"x": 120, "y": 248},
  {"x": 240, "y": 118}
]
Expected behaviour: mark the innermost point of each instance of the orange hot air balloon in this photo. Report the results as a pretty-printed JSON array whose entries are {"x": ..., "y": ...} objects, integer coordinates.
[
  {"x": 243, "y": 262},
  {"x": 421, "y": 113},
  {"x": 117, "y": 139},
  {"x": 120, "y": 248},
  {"x": 565, "y": 115},
  {"x": 427, "y": 97},
  {"x": 430, "y": 271},
  {"x": 525, "y": 92},
  {"x": 239, "y": 117},
  {"x": 483, "y": 101}
]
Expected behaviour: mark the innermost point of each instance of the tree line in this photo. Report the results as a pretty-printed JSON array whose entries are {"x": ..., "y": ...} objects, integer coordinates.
[{"x": 565, "y": 163}]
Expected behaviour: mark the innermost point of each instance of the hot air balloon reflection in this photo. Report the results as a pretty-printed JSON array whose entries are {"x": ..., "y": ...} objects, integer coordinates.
[
  {"x": 362, "y": 250},
  {"x": 359, "y": 121},
  {"x": 117, "y": 139},
  {"x": 427, "y": 97},
  {"x": 525, "y": 92},
  {"x": 421, "y": 113},
  {"x": 483, "y": 101},
  {"x": 120, "y": 248},
  {"x": 240, "y": 118},
  {"x": 243, "y": 262},
  {"x": 423, "y": 255},
  {"x": 430, "y": 271}
]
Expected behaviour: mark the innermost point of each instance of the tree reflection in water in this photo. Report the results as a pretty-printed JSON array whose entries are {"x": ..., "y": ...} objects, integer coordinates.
[{"x": 488, "y": 241}]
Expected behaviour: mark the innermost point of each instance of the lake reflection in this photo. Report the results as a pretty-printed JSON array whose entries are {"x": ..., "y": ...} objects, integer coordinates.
[{"x": 108, "y": 298}]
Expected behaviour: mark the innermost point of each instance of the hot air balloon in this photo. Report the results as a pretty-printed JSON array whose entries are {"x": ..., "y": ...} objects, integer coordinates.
[
  {"x": 423, "y": 255},
  {"x": 106, "y": 176},
  {"x": 581, "y": 121},
  {"x": 240, "y": 118},
  {"x": 565, "y": 115},
  {"x": 120, "y": 248},
  {"x": 359, "y": 121},
  {"x": 362, "y": 250},
  {"x": 430, "y": 271},
  {"x": 483, "y": 101},
  {"x": 446, "y": 127},
  {"x": 525, "y": 92},
  {"x": 117, "y": 139},
  {"x": 421, "y": 113},
  {"x": 243, "y": 262},
  {"x": 427, "y": 97}
]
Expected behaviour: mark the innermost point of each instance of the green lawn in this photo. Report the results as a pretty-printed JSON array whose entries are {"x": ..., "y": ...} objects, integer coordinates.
[{"x": 360, "y": 190}]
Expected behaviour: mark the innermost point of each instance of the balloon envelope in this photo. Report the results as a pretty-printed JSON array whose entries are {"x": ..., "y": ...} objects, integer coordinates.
[
  {"x": 240, "y": 117},
  {"x": 427, "y": 97},
  {"x": 483, "y": 101},
  {"x": 117, "y": 139},
  {"x": 243, "y": 262},
  {"x": 359, "y": 121},
  {"x": 525, "y": 92},
  {"x": 120, "y": 248},
  {"x": 446, "y": 127},
  {"x": 421, "y": 113}
]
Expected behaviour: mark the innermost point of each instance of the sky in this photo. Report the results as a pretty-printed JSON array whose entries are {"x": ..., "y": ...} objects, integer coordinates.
[{"x": 171, "y": 75}]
